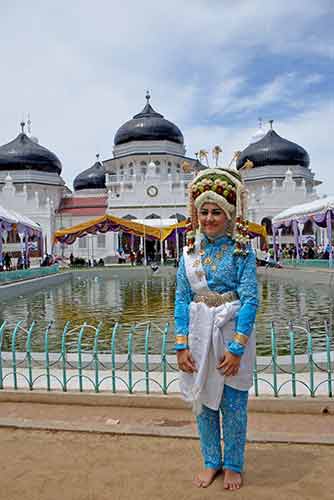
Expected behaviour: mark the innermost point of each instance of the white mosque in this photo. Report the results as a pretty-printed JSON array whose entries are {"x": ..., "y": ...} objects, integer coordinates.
[{"x": 146, "y": 180}]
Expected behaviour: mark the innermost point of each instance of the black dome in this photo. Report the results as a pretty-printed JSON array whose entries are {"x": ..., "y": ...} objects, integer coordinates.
[
  {"x": 24, "y": 154},
  {"x": 148, "y": 126},
  {"x": 274, "y": 150},
  {"x": 92, "y": 178}
]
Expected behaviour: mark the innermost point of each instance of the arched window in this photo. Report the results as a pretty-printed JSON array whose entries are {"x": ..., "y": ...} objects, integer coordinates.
[
  {"x": 267, "y": 223},
  {"x": 308, "y": 227},
  {"x": 178, "y": 217},
  {"x": 153, "y": 216},
  {"x": 143, "y": 167},
  {"x": 129, "y": 217}
]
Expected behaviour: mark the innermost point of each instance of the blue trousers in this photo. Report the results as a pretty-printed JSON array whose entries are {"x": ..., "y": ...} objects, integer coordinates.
[{"x": 234, "y": 414}]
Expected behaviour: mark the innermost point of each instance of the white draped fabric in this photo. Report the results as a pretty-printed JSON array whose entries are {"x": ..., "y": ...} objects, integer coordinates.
[{"x": 210, "y": 331}]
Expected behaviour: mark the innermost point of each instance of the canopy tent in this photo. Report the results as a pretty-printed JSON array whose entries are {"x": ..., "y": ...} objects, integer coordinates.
[
  {"x": 319, "y": 212},
  {"x": 107, "y": 223},
  {"x": 24, "y": 227}
]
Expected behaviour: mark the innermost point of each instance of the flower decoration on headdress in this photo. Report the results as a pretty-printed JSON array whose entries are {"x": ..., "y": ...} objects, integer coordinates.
[{"x": 224, "y": 187}]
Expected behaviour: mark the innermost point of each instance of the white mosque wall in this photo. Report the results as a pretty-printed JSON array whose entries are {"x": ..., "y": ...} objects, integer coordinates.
[
  {"x": 144, "y": 147},
  {"x": 38, "y": 202}
]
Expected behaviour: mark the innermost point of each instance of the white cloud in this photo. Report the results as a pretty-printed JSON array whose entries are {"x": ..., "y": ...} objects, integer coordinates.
[
  {"x": 82, "y": 68},
  {"x": 313, "y": 129}
]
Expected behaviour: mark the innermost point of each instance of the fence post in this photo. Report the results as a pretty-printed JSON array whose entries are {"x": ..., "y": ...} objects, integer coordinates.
[
  {"x": 18, "y": 325},
  {"x": 63, "y": 354},
  {"x": 310, "y": 358},
  {"x": 147, "y": 367},
  {"x": 47, "y": 360},
  {"x": 96, "y": 356},
  {"x": 293, "y": 360},
  {"x": 164, "y": 358},
  {"x": 274, "y": 357},
  {"x": 2, "y": 330},
  {"x": 130, "y": 359},
  {"x": 329, "y": 364},
  {"x": 113, "y": 357},
  {"x": 29, "y": 358},
  {"x": 82, "y": 329}
]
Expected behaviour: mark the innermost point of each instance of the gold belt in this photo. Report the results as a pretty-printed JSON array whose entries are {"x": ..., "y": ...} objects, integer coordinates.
[{"x": 214, "y": 299}]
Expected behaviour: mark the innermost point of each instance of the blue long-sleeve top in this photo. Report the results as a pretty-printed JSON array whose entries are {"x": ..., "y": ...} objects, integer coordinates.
[{"x": 235, "y": 273}]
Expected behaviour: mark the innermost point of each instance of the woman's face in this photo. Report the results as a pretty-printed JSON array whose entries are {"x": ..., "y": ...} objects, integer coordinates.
[{"x": 212, "y": 219}]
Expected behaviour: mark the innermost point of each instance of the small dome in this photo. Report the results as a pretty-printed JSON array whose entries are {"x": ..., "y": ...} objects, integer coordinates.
[
  {"x": 148, "y": 126},
  {"x": 92, "y": 178},
  {"x": 24, "y": 154},
  {"x": 273, "y": 149}
]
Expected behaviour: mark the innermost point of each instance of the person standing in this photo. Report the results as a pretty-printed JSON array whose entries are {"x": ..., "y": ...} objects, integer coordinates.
[{"x": 215, "y": 309}]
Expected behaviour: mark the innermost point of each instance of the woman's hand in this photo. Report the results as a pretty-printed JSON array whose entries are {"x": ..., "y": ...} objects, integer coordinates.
[
  {"x": 185, "y": 361},
  {"x": 230, "y": 364}
]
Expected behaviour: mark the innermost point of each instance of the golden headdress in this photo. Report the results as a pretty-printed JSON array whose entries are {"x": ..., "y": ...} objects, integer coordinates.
[{"x": 224, "y": 187}]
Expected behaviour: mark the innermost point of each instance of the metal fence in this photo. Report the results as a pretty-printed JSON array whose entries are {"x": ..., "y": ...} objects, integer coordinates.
[{"x": 121, "y": 363}]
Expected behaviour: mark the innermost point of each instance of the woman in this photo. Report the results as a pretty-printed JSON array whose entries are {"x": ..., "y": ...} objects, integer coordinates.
[{"x": 215, "y": 308}]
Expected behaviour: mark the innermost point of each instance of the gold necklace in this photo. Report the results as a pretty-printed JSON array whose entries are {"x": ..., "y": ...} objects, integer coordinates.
[{"x": 208, "y": 261}]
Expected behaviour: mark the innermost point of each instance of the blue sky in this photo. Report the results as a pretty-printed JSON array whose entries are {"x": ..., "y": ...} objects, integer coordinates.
[{"x": 82, "y": 68}]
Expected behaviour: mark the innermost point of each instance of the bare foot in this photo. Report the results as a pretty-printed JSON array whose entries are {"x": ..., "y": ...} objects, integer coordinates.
[
  {"x": 232, "y": 480},
  {"x": 206, "y": 477}
]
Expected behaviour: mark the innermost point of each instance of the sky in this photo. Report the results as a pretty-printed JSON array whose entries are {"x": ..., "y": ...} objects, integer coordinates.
[{"x": 213, "y": 67}]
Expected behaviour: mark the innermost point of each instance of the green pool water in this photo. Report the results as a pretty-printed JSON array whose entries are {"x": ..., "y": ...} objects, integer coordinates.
[{"x": 133, "y": 296}]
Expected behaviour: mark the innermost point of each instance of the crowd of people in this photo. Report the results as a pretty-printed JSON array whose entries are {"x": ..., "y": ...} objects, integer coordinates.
[{"x": 9, "y": 263}]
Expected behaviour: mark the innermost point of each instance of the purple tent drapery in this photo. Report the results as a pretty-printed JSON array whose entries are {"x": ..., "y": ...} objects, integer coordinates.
[
  {"x": 274, "y": 244},
  {"x": 329, "y": 235}
]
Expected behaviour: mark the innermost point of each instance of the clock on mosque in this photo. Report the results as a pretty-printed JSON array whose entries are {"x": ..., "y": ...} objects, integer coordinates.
[{"x": 152, "y": 191}]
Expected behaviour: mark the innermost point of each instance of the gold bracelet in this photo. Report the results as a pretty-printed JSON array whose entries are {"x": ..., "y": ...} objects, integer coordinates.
[
  {"x": 181, "y": 339},
  {"x": 241, "y": 338}
]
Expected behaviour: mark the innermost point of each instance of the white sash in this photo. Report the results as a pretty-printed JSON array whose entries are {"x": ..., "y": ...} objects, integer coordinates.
[
  {"x": 195, "y": 272},
  {"x": 210, "y": 331}
]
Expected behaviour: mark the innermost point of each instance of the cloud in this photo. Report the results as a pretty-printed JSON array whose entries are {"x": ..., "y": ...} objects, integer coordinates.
[
  {"x": 82, "y": 69},
  {"x": 312, "y": 129}
]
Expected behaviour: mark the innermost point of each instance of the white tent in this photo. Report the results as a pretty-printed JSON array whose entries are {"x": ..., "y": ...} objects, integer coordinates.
[
  {"x": 320, "y": 212},
  {"x": 322, "y": 205},
  {"x": 12, "y": 217}
]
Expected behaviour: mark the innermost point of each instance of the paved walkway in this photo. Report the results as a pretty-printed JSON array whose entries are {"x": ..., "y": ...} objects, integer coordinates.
[
  {"x": 41, "y": 465},
  {"x": 98, "y": 451}
]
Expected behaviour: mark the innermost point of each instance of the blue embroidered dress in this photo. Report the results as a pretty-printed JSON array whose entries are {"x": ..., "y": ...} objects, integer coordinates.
[
  {"x": 233, "y": 273},
  {"x": 224, "y": 272}
]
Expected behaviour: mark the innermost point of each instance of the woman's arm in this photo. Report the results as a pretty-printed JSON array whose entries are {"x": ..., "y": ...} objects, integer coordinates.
[
  {"x": 247, "y": 291},
  {"x": 183, "y": 297}
]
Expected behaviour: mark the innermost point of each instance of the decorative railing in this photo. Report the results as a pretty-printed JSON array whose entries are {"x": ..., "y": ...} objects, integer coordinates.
[
  {"x": 24, "y": 274},
  {"x": 125, "y": 360}
]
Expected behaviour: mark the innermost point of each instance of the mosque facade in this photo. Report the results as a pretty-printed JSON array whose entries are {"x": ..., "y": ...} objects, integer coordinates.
[{"x": 146, "y": 180}]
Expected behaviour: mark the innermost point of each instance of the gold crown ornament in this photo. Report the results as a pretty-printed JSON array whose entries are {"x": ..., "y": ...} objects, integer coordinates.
[{"x": 224, "y": 187}]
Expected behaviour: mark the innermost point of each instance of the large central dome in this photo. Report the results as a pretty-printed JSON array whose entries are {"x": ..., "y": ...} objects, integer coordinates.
[
  {"x": 148, "y": 126},
  {"x": 273, "y": 149}
]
